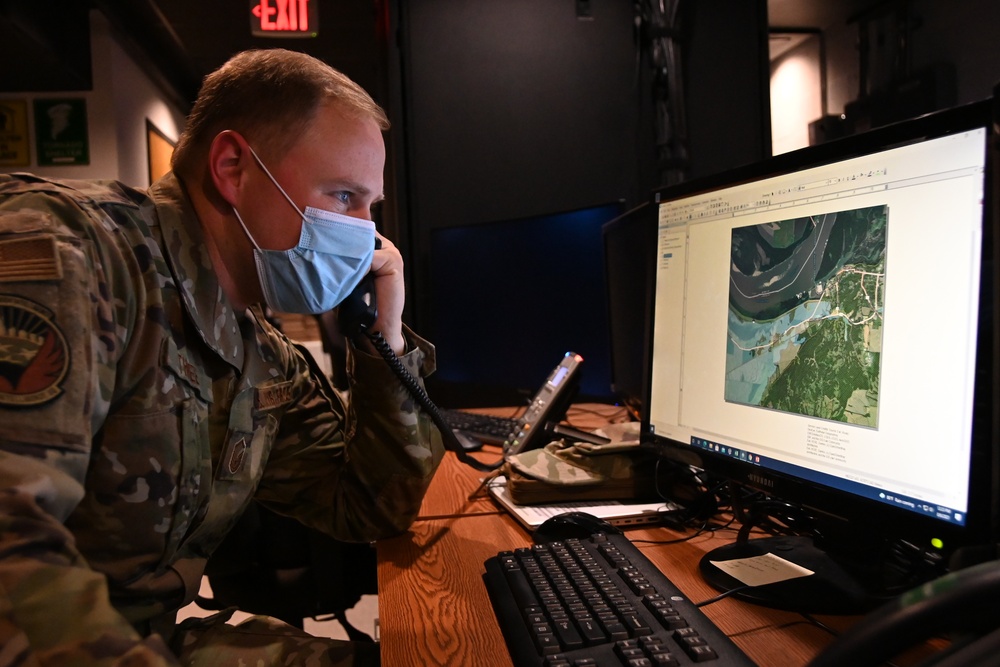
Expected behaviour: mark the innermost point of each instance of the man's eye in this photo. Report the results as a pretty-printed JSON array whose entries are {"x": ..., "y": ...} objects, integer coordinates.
[{"x": 343, "y": 197}]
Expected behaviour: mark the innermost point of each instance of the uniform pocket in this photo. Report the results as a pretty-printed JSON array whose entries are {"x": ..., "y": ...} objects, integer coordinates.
[{"x": 146, "y": 484}]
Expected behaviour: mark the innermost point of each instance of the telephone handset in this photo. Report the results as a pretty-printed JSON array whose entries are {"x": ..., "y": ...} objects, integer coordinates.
[
  {"x": 358, "y": 312},
  {"x": 355, "y": 317}
]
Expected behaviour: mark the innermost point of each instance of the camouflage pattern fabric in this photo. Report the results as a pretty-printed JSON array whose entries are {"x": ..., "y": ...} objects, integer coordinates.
[
  {"x": 261, "y": 640},
  {"x": 141, "y": 414},
  {"x": 564, "y": 463},
  {"x": 563, "y": 471}
]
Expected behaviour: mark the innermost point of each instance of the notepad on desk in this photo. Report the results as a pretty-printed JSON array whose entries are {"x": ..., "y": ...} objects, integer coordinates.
[{"x": 614, "y": 512}]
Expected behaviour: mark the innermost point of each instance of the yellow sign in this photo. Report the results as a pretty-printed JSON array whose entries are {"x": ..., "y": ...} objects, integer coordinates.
[{"x": 14, "y": 147}]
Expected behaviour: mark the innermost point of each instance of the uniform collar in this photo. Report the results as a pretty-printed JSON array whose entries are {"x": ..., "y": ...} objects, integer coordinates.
[{"x": 185, "y": 249}]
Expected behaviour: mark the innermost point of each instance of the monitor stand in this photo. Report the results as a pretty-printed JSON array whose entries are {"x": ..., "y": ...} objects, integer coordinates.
[{"x": 829, "y": 590}]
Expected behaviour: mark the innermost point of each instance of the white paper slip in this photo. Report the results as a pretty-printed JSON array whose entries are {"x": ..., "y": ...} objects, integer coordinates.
[{"x": 761, "y": 570}]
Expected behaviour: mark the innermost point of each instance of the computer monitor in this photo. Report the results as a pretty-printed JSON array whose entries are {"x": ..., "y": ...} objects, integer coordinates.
[
  {"x": 628, "y": 271},
  {"x": 510, "y": 298},
  {"x": 823, "y": 332}
]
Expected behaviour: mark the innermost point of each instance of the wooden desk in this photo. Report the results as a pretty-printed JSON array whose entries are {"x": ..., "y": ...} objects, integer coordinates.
[
  {"x": 434, "y": 609},
  {"x": 454, "y": 482},
  {"x": 433, "y": 606}
]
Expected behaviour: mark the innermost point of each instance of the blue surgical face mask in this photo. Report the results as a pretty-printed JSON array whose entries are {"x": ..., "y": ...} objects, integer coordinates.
[{"x": 333, "y": 254}]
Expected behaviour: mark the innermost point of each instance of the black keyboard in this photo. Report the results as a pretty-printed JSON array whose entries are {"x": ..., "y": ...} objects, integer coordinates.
[
  {"x": 486, "y": 428},
  {"x": 598, "y": 601}
]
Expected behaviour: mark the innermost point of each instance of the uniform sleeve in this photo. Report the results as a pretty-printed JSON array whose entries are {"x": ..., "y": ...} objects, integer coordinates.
[
  {"x": 54, "y": 609},
  {"x": 357, "y": 468}
]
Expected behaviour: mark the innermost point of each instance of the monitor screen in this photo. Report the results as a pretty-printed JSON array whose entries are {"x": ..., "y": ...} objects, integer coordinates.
[
  {"x": 820, "y": 323},
  {"x": 510, "y": 298}
]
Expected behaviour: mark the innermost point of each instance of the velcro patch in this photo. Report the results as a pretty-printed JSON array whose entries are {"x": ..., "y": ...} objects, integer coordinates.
[
  {"x": 273, "y": 396},
  {"x": 32, "y": 258}
]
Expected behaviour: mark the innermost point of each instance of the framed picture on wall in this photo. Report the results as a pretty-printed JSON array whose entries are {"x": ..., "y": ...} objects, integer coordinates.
[{"x": 159, "y": 148}]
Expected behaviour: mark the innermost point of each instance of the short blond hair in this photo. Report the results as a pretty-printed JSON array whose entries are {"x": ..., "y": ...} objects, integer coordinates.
[{"x": 269, "y": 96}]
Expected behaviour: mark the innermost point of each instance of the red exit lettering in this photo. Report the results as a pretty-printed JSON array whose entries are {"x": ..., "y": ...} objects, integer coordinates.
[{"x": 283, "y": 18}]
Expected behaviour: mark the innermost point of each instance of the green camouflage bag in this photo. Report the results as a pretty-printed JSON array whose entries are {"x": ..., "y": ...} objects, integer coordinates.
[{"x": 563, "y": 471}]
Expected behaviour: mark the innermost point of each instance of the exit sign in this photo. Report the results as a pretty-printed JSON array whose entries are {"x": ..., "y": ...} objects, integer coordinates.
[{"x": 284, "y": 18}]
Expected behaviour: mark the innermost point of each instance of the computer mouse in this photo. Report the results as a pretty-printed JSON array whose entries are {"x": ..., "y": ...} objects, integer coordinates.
[{"x": 571, "y": 524}]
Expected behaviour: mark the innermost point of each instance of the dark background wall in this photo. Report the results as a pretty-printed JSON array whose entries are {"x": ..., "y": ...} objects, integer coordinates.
[
  {"x": 519, "y": 107},
  {"x": 514, "y": 109},
  {"x": 728, "y": 123},
  {"x": 531, "y": 107},
  {"x": 523, "y": 108}
]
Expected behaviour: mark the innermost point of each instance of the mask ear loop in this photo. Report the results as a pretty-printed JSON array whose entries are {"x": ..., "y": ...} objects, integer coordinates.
[
  {"x": 244, "y": 226},
  {"x": 260, "y": 163},
  {"x": 284, "y": 194}
]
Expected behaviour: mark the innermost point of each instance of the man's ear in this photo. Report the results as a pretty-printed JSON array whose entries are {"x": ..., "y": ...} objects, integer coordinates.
[{"x": 228, "y": 159}]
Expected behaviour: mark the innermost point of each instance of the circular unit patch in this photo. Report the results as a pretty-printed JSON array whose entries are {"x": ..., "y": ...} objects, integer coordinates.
[{"x": 34, "y": 357}]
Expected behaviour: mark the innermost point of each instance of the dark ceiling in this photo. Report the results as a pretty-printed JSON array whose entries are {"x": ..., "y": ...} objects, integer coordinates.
[
  {"x": 190, "y": 38},
  {"x": 179, "y": 41}
]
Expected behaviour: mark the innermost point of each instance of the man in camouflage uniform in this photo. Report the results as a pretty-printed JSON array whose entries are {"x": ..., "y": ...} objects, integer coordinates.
[{"x": 146, "y": 400}]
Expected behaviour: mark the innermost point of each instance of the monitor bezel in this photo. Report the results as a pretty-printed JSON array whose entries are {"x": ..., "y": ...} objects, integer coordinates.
[
  {"x": 838, "y": 509},
  {"x": 629, "y": 377}
]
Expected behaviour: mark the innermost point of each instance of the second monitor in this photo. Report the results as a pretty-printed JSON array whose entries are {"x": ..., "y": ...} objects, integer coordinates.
[{"x": 508, "y": 297}]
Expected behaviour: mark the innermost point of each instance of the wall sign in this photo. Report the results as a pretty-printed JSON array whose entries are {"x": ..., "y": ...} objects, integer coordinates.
[
  {"x": 14, "y": 150},
  {"x": 61, "y": 132},
  {"x": 284, "y": 18}
]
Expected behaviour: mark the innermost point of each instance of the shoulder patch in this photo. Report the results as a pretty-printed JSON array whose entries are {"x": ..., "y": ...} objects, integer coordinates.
[
  {"x": 31, "y": 258},
  {"x": 34, "y": 356}
]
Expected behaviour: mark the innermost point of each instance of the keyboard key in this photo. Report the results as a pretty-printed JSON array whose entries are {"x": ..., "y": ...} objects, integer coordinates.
[
  {"x": 569, "y": 638},
  {"x": 547, "y": 643}
]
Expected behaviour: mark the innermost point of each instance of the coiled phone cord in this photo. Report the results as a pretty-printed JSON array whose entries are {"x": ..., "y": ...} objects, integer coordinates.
[{"x": 418, "y": 393}]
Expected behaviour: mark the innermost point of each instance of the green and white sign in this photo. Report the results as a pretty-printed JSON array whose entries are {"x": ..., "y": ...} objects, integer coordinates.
[{"x": 61, "y": 132}]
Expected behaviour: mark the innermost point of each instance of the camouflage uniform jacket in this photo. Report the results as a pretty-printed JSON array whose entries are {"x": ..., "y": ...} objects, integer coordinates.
[{"x": 141, "y": 414}]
